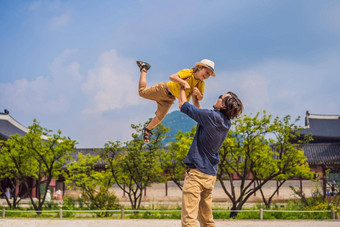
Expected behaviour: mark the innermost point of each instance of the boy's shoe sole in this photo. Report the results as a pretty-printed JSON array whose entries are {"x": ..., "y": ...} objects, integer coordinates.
[{"x": 143, "y": 65}]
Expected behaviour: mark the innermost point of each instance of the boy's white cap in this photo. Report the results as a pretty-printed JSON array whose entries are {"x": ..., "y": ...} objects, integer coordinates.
[{"x": 207, "y": 63}]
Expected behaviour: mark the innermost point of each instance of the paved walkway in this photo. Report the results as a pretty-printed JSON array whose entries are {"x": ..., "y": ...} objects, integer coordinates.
[{"x": 158, "y": 223}]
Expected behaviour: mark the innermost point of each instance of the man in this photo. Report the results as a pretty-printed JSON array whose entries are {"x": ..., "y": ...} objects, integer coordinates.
[{"x": 203, "y": 157}]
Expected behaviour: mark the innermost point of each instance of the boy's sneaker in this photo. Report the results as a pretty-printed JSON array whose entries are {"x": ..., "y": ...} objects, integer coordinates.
[{"x": 143, "y": 65}]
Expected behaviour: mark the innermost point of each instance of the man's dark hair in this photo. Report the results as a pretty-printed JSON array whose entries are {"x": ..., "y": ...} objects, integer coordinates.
[{"x": 233, "y": 106}]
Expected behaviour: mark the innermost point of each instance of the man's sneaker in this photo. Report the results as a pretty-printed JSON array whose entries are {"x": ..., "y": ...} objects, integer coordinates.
[{"x": 143, "y": 65}]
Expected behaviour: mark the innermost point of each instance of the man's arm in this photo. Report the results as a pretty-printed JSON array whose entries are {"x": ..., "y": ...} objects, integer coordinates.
[
  {"x": 201, "y": 116},
  {"x": 182, "y": 98},
  {"x": 195, "y": 101},
  {"x": 196, "y": 92}
]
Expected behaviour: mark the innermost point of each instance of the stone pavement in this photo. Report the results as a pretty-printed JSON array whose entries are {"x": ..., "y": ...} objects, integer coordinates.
[{"x": 158, "y": 223}]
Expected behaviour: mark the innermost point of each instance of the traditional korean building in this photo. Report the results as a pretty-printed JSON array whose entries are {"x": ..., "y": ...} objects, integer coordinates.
[
  {"x": 323, "y": 153},
  {"x": 324, "y": 128},
  {"x": 9, "y": 126}
]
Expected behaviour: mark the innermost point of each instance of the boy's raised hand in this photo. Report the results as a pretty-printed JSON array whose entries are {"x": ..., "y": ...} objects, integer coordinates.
[{"x": 182, "y": 82}]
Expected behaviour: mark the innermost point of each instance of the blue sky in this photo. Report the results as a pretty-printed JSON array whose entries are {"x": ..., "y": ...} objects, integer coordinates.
[{"x": 71, "y": 64}]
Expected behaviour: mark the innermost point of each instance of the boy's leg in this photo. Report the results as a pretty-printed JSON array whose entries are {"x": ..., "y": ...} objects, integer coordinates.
[
  {"x": 142, "y": 79},
  {"x": 153, "y": 123},
  {"x": 164, "y": 102},
  {"x": 144, "y": 67},
  {"x": 162, "y": 109},
  {"x": 160, "y": 94}
]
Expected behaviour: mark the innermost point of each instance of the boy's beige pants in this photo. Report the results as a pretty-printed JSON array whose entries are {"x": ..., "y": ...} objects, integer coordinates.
[
  {"x": 160, "y": 94},
  {"x": 197, "y": 198}
]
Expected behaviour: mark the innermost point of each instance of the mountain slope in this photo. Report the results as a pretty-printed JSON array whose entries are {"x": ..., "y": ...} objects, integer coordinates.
[{"x": 176, "y": 121}]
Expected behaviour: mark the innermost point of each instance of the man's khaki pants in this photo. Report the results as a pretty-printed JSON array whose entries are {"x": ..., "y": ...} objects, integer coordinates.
[{"x": 197, "y": 198}]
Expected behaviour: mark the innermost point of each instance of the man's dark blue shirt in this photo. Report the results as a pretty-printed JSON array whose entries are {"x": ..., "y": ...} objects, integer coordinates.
[{"x": 212, "y": 129}]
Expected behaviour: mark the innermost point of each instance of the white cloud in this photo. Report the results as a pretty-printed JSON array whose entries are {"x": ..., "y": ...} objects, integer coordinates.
[
  {"x": 282, "y": 87},
  {"x": 33, "y": 96},
  {"x": 44, "y": 94},
  {"x": 45, "y": 4},
  {"x": 70, "y": 71},
  {"x": 250, "y": 85},
  {"x": 59, "y": 21},
  {"x": 112, "y": 83},
  {"x": 254, "y": 88},
  {"x": 76, "y": 104},
  {"x": 35, "y": 5},
  {"x": 58, "y": 12}
]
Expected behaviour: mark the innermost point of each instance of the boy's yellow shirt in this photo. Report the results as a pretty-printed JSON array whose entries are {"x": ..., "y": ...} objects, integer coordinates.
[{"x": 189, "y": 75}]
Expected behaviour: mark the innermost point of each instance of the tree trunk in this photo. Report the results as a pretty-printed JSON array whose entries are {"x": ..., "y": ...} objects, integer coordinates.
[
  {"x": 233, "y": 213},
  {"x": 39, "y": 209},
  {"x": 236, "y": 207},
  {"x": 266, "y": 203},
  {"x": 140, "y": 198},
  {"x": 133, "y": 206},
  {"x": 14, "y": 201},
  {"x": 8, "y": 202}
]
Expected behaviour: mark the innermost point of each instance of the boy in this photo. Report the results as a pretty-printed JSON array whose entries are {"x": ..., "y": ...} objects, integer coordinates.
[{"x": 165, "y": 93}]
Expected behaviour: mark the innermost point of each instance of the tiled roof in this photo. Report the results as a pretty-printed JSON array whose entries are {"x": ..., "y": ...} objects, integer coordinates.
[
  {"x": 322, "y": 125},
  {"x": 84, "y": 151},
  {"x": 9, "y": 126},
  {"x": 322, "y": 153}
]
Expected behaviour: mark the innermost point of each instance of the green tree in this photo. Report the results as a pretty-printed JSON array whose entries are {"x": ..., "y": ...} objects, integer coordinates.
[
  {"x": 9, "y": 159},
  {"x": 39, "y": 155},
  {"x": 247, "y": 154},
  {"x": 136, "y": 165},
  {"x": 93, "y": 183},
  {"x": 288, "y": 154},
  {"x": 173, "y": 160}
]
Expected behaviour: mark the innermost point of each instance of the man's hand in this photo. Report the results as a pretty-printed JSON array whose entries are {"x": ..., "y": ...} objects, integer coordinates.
[
  {"x": 196, "y": 92},
  {"x": 196, "y": 102}
]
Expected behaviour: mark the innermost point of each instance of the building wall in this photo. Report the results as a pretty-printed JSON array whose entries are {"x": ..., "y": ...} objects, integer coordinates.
[{"x": 158, "y": 192}]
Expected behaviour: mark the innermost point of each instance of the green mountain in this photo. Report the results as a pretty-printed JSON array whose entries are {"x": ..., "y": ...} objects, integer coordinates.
[{"x": 176, "y": 121}]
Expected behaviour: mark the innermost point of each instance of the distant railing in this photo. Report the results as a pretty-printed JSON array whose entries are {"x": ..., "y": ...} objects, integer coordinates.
[{"x": 122, "y": 211}]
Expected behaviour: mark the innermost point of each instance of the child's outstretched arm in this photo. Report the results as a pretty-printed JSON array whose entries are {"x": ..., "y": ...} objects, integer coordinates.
[{"x": 183, "y": 83}]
